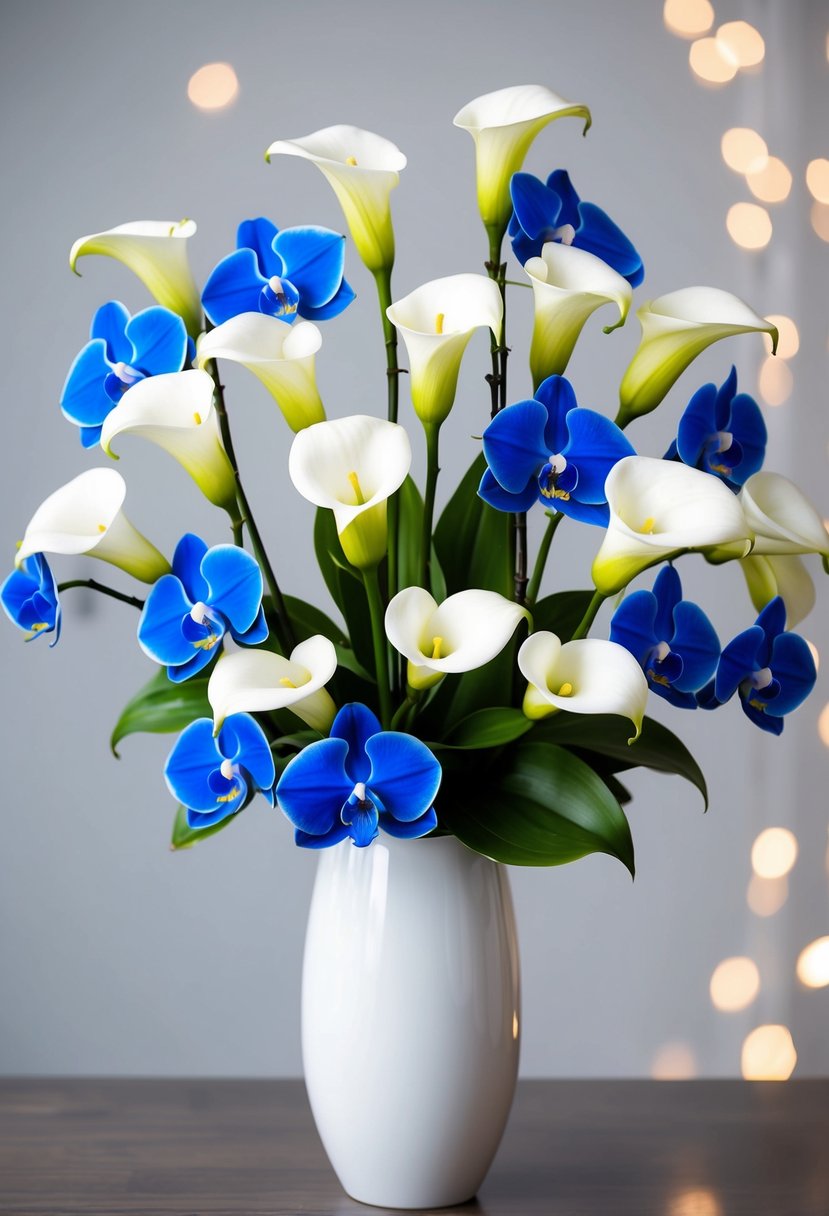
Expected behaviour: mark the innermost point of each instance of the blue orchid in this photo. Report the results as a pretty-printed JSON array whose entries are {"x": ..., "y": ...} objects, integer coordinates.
[
  {"x": 721, "y": 432},
  {"x": 671, "y": 638},
  {"x": 362, "y": 778},
  {"x": 280, "y": 274},
  {"x": 210, "y": 592},
  {"x": 213, "y": 778},
  {"x": 772, "y": 670},
  {"x": 30, "y": 597},
  {"x": 121, "y": 351},
  {"x": 554, "y": 212},
  {"x": 549, "y": 449}
]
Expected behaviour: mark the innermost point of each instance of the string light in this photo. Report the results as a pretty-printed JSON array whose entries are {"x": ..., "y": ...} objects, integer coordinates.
[
  {"x": 775, "y": 381},
  {"x": 774, "y": 852},
  {"x": 819, "y": 215},
  {"x": 766, "y": 896},
  {"x": 734, "y": 984},
  {"x": 749, "y": 226},
  {"x": 709, "y": 63},
  {"x": 213, "y": 86},
  {"x": 823, "y": 725},
  {"x": 741, "y": 43},
  {"x": 744, "y": 150},
  {"x": 813, "y": 964},
  {"x": 768, "y": 1054},
  {"x": 688, "y": 18},
  {"x": 772, "y": 183},
  {"x": 674, "y": 1062},
  {"x": 694, "y": 1203},
  {"x": 817, "y": 179}
]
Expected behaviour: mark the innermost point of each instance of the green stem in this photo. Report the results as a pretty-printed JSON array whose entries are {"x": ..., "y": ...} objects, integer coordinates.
[
  {"x": 383, "y": 280},
  {"x": 404, "y": 714},
  {"x": 432, "y": 470},
  {"x": 589, "y": 617},
  {"x": 541, "y": 559},
  {"x": 497, "y": 272},
  {"x": 515, "y": 283},
  {"x": 371, "y": 582},
  {"x": 104, "y": 590}
]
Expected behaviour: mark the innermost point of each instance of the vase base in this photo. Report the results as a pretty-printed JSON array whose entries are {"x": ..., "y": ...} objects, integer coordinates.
[{"x": 421, "y": 1203}]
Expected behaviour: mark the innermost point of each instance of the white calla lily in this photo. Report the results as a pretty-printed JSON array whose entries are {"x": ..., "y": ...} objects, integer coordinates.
[
  {"x": 258, "y": 681},
  {"x": 362, "y": 169},
  {"x": 282, "y": 356},
  {"x": 781, "y": 517},
  {"x": 568, "y": 284},
  {"x": 588, "y": 676},
  {"x": 503, "y": 124},
  {"x": 85, "y": 516},
  {"x": 784, "y": 575},
  {"x": 156, "y": 251},
  {"x": 464, "y": 632},
  {"x": 176, "y": 412},
  {"x": 436, "y": 322},
  {"x": 352, "y": 466},
  {"x": 659, "y": 509},
  {"x": 675, "y": 329}
]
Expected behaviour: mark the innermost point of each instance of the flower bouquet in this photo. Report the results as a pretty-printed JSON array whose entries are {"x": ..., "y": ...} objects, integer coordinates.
[{"x": 453, "y": 698}]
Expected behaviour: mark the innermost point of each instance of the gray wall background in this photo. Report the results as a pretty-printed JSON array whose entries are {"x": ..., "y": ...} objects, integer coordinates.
[{"x": 117, "y": 956}]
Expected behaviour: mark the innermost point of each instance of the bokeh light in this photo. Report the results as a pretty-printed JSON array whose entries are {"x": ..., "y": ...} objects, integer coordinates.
[
  {"x": 674, "y": 1062},
  {"x": 823, "y": 725},
  {"x": 817, "y": 179},
  {"x": 709, "y": 63},
  {"x": 775, "y": 381},
  {"x": 813, "y": 964},
  {"x": 734, "y": 984},
  {"x": 819, "y": 215},
  {"x": 774, "y": 852},
  {"x": 688, "y": 18},
  {"x": 788, "y": 341},
  {"x": 749, "y": 226},
  {"x": 743, "y": 150},
  {"x": 815, "y": 653},
  {"x": 772, "y": 183},
  {"x": 694, "y": 1203},
  {"x": 768, "y": 1054},
  {"x": 213, "y": 86},
  {"x": 741, "y": 43},
  {"x": 766, "y": 896}
]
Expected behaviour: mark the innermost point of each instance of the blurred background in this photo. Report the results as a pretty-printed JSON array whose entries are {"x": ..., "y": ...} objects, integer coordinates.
[{"x": 120, "y": 956}]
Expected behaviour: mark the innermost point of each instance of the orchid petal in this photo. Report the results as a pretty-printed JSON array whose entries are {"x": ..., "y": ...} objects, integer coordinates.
[
  {"x": 738, "y": 659},
  {"x": 159, "y": 341},
  {"x": 189, "y": 766},
  {"x": 781, "y": 517},
  {"x": 83, "y": 399},
  {"x": 339, "y": 301},
  {"x": 634, "y": 624},
  {"x": 314, "y": 786},
  {"x": 243, "y": 741},
  {"x": 537, "y": 207},
  {"x": 336, "y": 835},
  {"x": 258, "y": 235},
  {"x": 405, "y": 775},
  {"x": 600, "y": 236},
  {"x": 110, "y": 323},
  {"x": 233, "y": 286},
  {"x": 695, "y": 639},
  {"x": 697, "y": 425},
  {"x": 256, "y": 681},
  {"x": 356, "y": 724},
  {"x": 235, "y": 585},
  {"x": 667, "y": 588},
  {"x": 514, "y": 444},
  {"x": 794, "y": 668},
  {"x": 160, "y": 634},
  {"x": 314, "y": 261},
  {"x": 187, "y": 561},
  {"x": 595, "y": 445},
  {"x": 496, "y": 496}
]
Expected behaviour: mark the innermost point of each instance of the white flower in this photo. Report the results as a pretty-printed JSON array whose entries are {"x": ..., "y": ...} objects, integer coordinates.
[
  {"x": 176, "y": 411},
  {"x": 351, "y": 466},
  {"x": 85, "y": 516},
  {"x": 257, "y": 681},
  {"x": 156, "y": 251},
  {"x": 781, "y": 517},
  {"x": 362, "y": 169},
  {"x": 588, "y": 676},
  {"x": 675, "y": 329},
  {"x": 466, "y": 631},
  {"x": 568, "y": 285},
  {"x": 784, "y": 575},
  {"x": 281, "y": 355},
  {"x": 503, "y": 124},
  {"x": 436, "y": 322},
  {"x": 659, "y": 509}
]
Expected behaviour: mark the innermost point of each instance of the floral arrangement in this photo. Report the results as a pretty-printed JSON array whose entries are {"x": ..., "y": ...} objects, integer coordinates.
[{"x": 451, "y": 696}]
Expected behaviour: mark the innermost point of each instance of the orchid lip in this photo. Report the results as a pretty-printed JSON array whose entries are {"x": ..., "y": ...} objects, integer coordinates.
[
  {"x": 761, "y": 679},
  {"x": 227, "y": 770}
]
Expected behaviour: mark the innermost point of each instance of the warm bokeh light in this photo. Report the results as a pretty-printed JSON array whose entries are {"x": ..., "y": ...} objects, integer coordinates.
[
  {"x": 734, "y": 984},
  {"x": 674, "y": 1062},
  {"x": 775, "y": 381},
  {"x": 766, "y": 896},
  {"x": 694, "y": 1203},
  {"x": 749, "y": 226},
  {"x": 741, "y": 43},
  {"x": 788, "y": 341},
  {"x": 813, "y": 964},
  {"x": 213, "y": 86},
  {"x": 772, "y": 183},
  {"x": 774, "y": 852},
  {"x": 688, "y": 18},
  {"x": 815, "y": 653},
  {"x": 709, "y": 63},
  {"x": 823, "y": 725},
  {"x": 768, "y": 1054},
  {"x": 744, "y": 150},
  {"x": 817, "y": 179},
  {"x": 819, "y": 215}
]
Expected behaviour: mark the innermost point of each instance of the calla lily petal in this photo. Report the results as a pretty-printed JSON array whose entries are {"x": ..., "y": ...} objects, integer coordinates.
[
  {"x": 783, "y": 575},
  {"x": 675, "y": 329},
  {"x": 156, "y": 251},
  {"x": 781, "y": 517},
  {"x": 281, "y": 356},
  {"x": 85, "y": 516},
  {"x": 256, "y": 681}
]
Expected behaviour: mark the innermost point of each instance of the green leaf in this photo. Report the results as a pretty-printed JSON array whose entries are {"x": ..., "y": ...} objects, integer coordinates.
[
  {"x": 606, "y": 735},
  {"x": 541, "y": 807},
  {"x": 308, "y": 620},
  {"x": 184, "y": 837},
  {"x": 561, "y": 613},
  {"x": 473, "y": 541},
  {"x": 410, "y": 538},
  {"x": 346, "y": 586},
  {"x": 487, "y": 728},
  {"x": 162, "y": 706}
]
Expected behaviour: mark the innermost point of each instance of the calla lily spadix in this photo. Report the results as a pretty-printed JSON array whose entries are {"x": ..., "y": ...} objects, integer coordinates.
[
  {"x": 675, "y": 329},
  {"x": 352, "y": 466},
  {"x": 281, "y": 356},
  {"x": 156, "y": 251},
  {"x": 176, "y": 412},
  {"x": 588, "y": 676},
  {"x": 85, "y": 516},
  {"x": 258, "y": 681},
  {"x": 770, "y": 575},
  {"x": 659, "y": 509},
  {"x": 503, "y": 124},
  {"x": 436, "y": 322},
  {"x": 568, "y": 284},
  {"x": 362, "y": 169},
  {"x": 781, "y": 517},
  {"x": 464, "y": 632}
]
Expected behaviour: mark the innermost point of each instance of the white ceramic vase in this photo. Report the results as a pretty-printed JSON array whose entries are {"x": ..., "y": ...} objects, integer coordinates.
[{"x": 410, "y": 1017}]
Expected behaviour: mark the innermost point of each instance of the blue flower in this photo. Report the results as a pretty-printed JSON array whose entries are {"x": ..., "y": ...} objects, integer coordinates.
[
  {"x": 362, "y": 778},
  {"x": 187, "y": 613},
  {"x": 297, "y": 270},
  {"x": 671, "y": 638},
  {"x": 122, "y": 350},
  {"x": 556, "y": 213},
  {"x": 551, "y": 450},
  {"x": 30, "y": 598},
  {"x": 772, "y": 670},
  {"x": 215, "y": 777},
  {"x": 721, "y": 432}
]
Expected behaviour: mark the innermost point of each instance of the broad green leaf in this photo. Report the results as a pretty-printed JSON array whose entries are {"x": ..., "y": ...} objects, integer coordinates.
[
  {"x": 308, "y": 620},
  {"x": 561, "y": 613},
  {"x": 410, "y": 539},
  {"x": 346, "y": 586},
  {"x": 184, "y": 837},
  {"x": 474, "y": 542},
  {"x": 162, "y": 706},
  {"x": 487, "y": 728}
]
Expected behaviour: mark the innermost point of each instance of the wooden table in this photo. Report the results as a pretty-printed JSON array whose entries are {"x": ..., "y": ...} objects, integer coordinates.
[{"x": 572, "y": 1148}]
